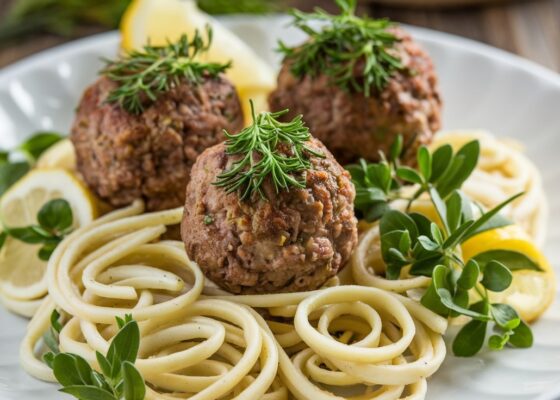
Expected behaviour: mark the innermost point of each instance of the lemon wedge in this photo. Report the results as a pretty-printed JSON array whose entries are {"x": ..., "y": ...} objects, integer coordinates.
[
  {"x": 61, "y": 155},
  {"x": 21, "y": 270},
  {"x": 531, "y": 292},
  {"x": 158, "y": 21}
]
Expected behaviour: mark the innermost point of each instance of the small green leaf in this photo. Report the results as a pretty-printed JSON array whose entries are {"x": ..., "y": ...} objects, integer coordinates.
[
  {"x": 427, "y": 243},
  {"x": 497, "y": 277},
  {"x": 469, "y": 275},
  {"x": 103, "y": 363},
  {"x": 404, "y": 243},
  {"x": 425, "y": 162},
  {"x": 470, "y": 339},
  {"x": 46, "y": 251},
  {"x": 436, "y": 233},
  {"x": 440, "y": 206},
  {"x": 70, "y": 370},
  {"x": 423, "y": 224},
  {"x": 396, "y": 255},
  {"x": 409, "y": 175},
  {"x": 124, "y": 347},
  {"x": 4, "y": 157},
  {"x": 39, "y": 143},
  {"x": 454, "y": 207},
  {"x": 482, "y": 221},
  {"x": 426, "y": 266},
  {"x": 447, "y": 300},
  {"x": 522, "y": 336},
  {"x": 48, "y": 359},
  {"x": 376, "y": 211},
  {"x": 56, "y": 215},
  {"x": 462, "y": 166},
  {"x": 396, "y": 148},
  {"x": 83, "y": 392},
  {"x": 513, "y": 260},
  {"x": 395, "y": 220},
  {"x": 431, "y": 301},
  {"x": 505, "y": 316},
  {"x": 27, "y": 235},
  {"x": 498, "y": 342},
  {"x": 457, "y": 237},
  {"x": 497, "y": 221},
  {"x": 10, "y": 173},
  {"x": 55, "y": 321},
  {"x": 440, "y": 161},
  {"x": 134, "y": 386}
]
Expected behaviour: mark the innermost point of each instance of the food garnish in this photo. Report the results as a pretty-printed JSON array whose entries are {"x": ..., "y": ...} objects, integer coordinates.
[
  {"x": 354, "y": 52},
  {"x": 258, "y": 145},
  {"x": 55, "y": 221},
  {"x": 143, "y": 74},
  {"x": 432, "y": 248},
  {"x": 118, "y": 379},
  {"x": 31, "y": 150}
]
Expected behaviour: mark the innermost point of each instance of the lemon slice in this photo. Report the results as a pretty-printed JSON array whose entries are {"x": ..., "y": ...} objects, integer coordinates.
[
  {"x": 61, "y": 155},
  {"x": 158, "y": 21},
  {"x": 21, "y": 270},
  {"x": 531, "y": 292}
]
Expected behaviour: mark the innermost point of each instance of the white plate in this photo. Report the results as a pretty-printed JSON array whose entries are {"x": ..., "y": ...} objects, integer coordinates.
[{"x": 482, "y": 88}]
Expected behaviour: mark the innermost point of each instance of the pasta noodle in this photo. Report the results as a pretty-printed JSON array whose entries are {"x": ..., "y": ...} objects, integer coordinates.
[{"x": 198, "y": 342}]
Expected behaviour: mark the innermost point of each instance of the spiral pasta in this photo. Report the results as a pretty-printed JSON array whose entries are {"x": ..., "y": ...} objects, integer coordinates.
[{"x": 198, "y": 342}]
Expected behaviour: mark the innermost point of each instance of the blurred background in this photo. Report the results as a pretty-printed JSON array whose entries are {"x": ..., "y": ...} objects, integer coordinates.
[{"x": 530, "y": 28}]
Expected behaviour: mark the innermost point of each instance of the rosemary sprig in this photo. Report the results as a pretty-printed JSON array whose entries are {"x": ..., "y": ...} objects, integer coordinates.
[
  {"x": 142, "y": 75},
  {"x": 271, "y": 149},
  {"x": 355, "y": 53}
]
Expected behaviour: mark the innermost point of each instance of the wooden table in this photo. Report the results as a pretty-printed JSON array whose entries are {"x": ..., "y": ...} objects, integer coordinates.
[{"x": 530, "y": 28}]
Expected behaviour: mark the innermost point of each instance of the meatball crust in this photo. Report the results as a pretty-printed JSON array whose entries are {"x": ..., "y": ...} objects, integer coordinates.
[
  {"x": 292, "y": 241},
  {"x": 353, "y": 126},
  {"x": 124, "y": 157}
]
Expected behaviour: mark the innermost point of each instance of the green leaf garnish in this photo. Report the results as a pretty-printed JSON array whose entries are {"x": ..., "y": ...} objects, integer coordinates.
[
  {"x": 267, "y": 149},
  {"x": 144, "y": 74},
  {"x": 38, "y": 144},
  {"x": 513, "y": 260},
  {"x": 55, "y": 220},
  {"x": 10, "y": 173},
  {"x": 355, "y": 53},
  {"x": 432, "y": 250},
  {"x": 119, "y": 380}
]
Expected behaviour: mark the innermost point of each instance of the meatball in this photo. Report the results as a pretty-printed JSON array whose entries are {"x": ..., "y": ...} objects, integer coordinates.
[
  {"x": 354, "y": 126},
  {"x": 123, "y": 156},
  {"x": 290, "y": 241}
]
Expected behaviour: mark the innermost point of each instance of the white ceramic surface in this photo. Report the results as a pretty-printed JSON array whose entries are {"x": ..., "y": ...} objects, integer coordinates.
[{"x": 482, "y": 88}]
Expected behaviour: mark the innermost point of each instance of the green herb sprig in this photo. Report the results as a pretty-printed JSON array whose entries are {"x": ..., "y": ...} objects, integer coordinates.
[
  {"x": 55, "y": 220},
  {"x": 30, "y": 151},
  {"x": 432, "y": 248},
  {"x": 261, "y": 157},
  {"x": 118, "y": 380},
  {"x": 355, "y": 53},
  {"x": 142, "y": 75}
]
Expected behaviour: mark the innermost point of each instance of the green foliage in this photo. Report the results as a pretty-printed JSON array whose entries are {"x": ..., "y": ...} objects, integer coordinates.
[
  {"x": 119, "y": 380},
  {"x": 355, "y": 53},
  {"x": 55, "y": 221},
  {"x": 260, "y": 156},
  {"x": 142, "y": 75},
  {"x": 31, "y": 149},
  {"x": 412, "y": 240}
]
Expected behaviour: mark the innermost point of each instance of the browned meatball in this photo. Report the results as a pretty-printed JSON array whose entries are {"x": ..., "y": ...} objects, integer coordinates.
[
  {"x": 124, "y": 157},
  {"x": 352, "y": 125},
  {"x": 294, "y": 241}
]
